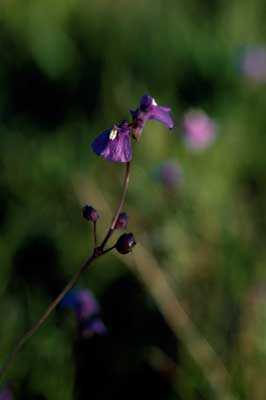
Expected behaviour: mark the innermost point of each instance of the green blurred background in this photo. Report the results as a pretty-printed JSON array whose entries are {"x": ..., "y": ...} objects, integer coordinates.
[{"x": 69, "y": 69}]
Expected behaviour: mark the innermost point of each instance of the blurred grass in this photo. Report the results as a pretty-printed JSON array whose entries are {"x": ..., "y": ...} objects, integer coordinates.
[{"x": 70, "y": 69}]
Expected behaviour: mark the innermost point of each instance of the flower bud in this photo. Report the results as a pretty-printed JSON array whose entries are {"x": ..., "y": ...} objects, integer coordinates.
[
  {"x": 89, "y": 213},
  {"x": 122, "y": 221},
  {"x": 125, "y": 243}
]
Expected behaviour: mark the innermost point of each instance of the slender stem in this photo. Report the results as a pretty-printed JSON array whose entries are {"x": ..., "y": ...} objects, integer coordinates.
[
  {"x": 94, "y": 234},
  {"x": 119, "y": 209},
  {"x": 44, "y": 317},
  {"x": 122, "y": 201},
  {"x": 107, "y": 250},
  {"x": 98, "y": 251}
]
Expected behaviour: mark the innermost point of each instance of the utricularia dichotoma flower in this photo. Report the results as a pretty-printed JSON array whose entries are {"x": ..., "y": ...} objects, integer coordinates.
[
  {"x": 199, "y": 130},
  {"x": 114, "y": 144},
  {"x": 169, "y": 174},
  {"x": 253, "y": 63},
  {"x": 87, "y": 311}
]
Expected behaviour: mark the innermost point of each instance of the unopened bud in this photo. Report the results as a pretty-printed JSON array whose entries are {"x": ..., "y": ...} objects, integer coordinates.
[
  {"x": 125, "y": 243},
  {"x": 122, "y": 221},
  {"x": 89, "y": 213}
]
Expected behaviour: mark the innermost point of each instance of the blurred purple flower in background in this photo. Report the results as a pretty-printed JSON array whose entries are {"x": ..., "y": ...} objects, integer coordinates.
[
  {"x": 82, "y": 302},
  {"x": 92, "y": 326},
  {"x": 147, "y": 110},
  {"x": 199, "y": 129},
  {"x": 6, "y": 393},
  {"x": 114, "y": 144},
  {"x": 169, "y": 174},
  {"x": 253, "y": 63},
  {"x": 87, "y": 311}
]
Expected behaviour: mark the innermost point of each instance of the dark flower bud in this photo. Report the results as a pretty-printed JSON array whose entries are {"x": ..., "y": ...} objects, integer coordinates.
[
  {"x": 125, "y": 243},
  {"x": 122, "y": 221},
  {"x": 90, "y": 213}
]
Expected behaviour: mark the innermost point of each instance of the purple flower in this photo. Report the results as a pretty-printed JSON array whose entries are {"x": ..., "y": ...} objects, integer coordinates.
[
  {"x": 92, "y": 326},
  {"x": 82, "y": 302},
  {"x": 199, "y": 129},
  {"x": 169, "y": 174},
  {"x": 253, "y": 63},
  {"x": 87, "y": 311},
  {"x": 147, "y": 110},
  {"x": 114, "y": 144},
  {"x": 6, "y": 393}
]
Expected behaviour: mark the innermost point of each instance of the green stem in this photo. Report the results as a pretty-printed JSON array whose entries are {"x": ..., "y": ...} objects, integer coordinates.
[
  {"x": 119, "y": 209},
  {"x": 44, "y": 317},
  {"x": 98, "y": 251}
]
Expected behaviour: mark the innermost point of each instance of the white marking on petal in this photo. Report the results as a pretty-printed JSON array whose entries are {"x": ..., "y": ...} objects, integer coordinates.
[
  {"x": 154, "y": 103},
  {"x": 113, "y": 134}
]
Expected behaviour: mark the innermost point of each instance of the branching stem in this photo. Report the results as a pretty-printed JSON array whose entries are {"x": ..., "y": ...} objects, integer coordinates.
[{"x": 97, "y": 252}]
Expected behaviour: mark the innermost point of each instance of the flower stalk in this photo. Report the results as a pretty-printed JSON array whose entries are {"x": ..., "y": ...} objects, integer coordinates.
[
  {"x": 97, "y": 252},
  {"x": 120, "y": 207},
  {"x": 114, "y": 144}
]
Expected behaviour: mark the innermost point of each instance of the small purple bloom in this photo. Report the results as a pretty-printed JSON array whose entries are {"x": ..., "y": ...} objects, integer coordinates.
[
  {"x": 169, "y": 174},
  {"x": 199, "y": 129},
  {"x": 147, "y": 110},
  {"x": 253, "y": 63},
  {"x": 87, "y": 311},
  {"x": 82, "y": 302},
  {"x": 114, "y": 144},
  {"x": 92, "y": 326},
  {"x": 6, "y": 394}
]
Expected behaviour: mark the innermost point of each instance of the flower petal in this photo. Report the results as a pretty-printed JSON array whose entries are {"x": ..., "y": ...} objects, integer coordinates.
[
  {"x": 82, "y": 302},
  {"x": 70, "y": 300},
  {"x": 100, "y": 143},
  {"x": 146, "y": 101},
  {"x": 119, "y": 149},
  {"x": 87, "y": 305},
  {"x": 161, "y": 114},
  {"x": 114, "y": 147},
  {"x": 92, "y": 327}
]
